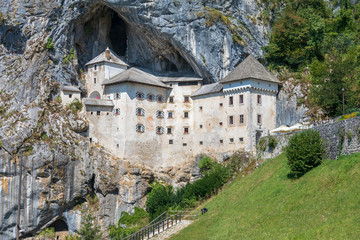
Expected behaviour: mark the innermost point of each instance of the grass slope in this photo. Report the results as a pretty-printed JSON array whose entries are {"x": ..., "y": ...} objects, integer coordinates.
[{"x": 323, "y": 204}]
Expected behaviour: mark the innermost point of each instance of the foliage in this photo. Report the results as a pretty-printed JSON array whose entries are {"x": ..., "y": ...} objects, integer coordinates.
[
  {"x": 348, "y": 116},
  {"x": 49, "y": 44},
  {"x": 320, "y": 205},
  {"x": 133, "y": 222},
  {"x": 75, "y": 106},
  {"x": 304, "y": 152},
  {"x": 206, "y": 164},
  {"x": 72, "y": 237},
  {"x": 88, "y": 230},
  {"x": 0, "y": 144},
  {"x": 70, "y": 57},
  {"x": 47, "y": 234},
  {"x": 272, "y": 142},
  {"x": 262, "y": 144},
  {"x": 239, "y": 160}
]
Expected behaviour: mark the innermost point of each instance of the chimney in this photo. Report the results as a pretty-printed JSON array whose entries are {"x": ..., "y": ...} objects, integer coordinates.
[{"x": 107, "y": 53}]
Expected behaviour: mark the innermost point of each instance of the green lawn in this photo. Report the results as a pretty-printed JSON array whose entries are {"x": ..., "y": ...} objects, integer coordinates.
[{"x": 322, "y": 204}]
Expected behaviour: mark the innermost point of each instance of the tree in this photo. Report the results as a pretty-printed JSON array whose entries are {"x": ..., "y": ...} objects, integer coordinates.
[{"x": 88, "y": 230}]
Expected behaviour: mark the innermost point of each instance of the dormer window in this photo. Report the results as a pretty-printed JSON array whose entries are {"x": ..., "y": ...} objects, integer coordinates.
[
  {"x": 160, "y": 99},
  {"x": 140, "y": 112},
  {"x": 140, "y": 96},
  {"x": 160, "y": 114},
  {"x": 140, "y": 128},
  {"x": 159, "y": 130},
  {"x": 150, "y": 97}
]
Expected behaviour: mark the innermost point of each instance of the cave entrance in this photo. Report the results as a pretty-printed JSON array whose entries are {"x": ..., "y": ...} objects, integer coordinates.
[
  {"x": 118, "y": 35},
  {"x": 61, "y": 228}
]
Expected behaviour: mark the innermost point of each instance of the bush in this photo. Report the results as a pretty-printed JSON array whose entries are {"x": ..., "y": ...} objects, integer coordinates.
[
  {"x": 272, "y": 142},
  {"x": 88, "y": 230},
  {"x": 239, "y": 160},
  {"x": 47, "y": 234},
  {"x": 75, "y": 106},
  {"x": 50, "y": 44},
  {"x": 304, "y": 152},
  {"x": 206, "y": 164}
]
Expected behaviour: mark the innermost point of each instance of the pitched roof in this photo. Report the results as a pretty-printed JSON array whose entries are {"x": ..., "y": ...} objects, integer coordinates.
[
  {"x": 137, "y": 76},
  {"x": 98, "y": 102},
  {"x": 113, "y": 58},
  {"x": 70, "y": 89},
  {"x": 250, "y": 68},
  {"x": 207, "y": 89},
  {"x": 181, "y": 79}
]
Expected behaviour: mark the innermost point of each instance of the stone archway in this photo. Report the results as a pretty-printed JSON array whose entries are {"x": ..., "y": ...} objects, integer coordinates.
[{"x": 95, "y": 94}]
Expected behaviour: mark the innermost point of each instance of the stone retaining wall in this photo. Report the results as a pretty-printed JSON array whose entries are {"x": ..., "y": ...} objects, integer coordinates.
[{"x": 341, "y": 137}]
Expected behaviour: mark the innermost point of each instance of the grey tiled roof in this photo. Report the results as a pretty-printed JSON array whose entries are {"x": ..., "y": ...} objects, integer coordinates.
[
  {"x": 137, "y": 76},
  {"x": 98, "y": 102},
  {"x": 70, "y": 89},
  {"x": 250, "y": 68},
  {"x": 207, "y": 89},
  {"x": 114, "y": 58}
]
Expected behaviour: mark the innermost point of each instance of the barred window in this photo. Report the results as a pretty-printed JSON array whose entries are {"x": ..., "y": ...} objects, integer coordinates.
[
  {"x": 160, "y": 114},
  {"x": 140, "y": 96},
  {"x": 150, "y": 97},
  {"x": 140, "y": 112},
  {"x": 160, "y": 98},
  {"x": 159, "y": 130},
  {"x": 140, "y": 128}
]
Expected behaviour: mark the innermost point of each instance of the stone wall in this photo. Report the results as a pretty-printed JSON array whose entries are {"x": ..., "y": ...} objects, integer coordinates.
[{"x": 341, "y": 137}]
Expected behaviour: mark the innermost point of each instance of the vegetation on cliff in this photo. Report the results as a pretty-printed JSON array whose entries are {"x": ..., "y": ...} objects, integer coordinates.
[
  {"x": 322, "y": 204},
  {"x": 319, "y": 42}
]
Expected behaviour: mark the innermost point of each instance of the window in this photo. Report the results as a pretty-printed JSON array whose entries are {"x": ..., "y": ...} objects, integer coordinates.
[
  {"x": 140, "y": 96},
  {"x": 241, "y": 139},
  {"x": 117, "y": 111},
  {"x": 186, "y": 114},
  {"x": 231, "y": 120},
  {"x": 107, "y": 113},
  {"x": 221, "y": 141},
  {"x": 201, "y": 142},
  {"x": 259, "y": 119},
  {"x": 220, "y": 123},
  {"x": 98, "y": 113},
  {"x": 184, "y": 144},
  {"x": 200, "y": 108},
  {"x": 171, "y": 141},
  {"x": 150, "y": 97},
  {"x": 159, "y": 130},
  {"x": 186, "y": 130},
  {"x": 258, "y": 99},
  {"x": 186, "y": 99},
  {"x": 220, "y": 104},
  {"x": 117, "y": 95},
  {"x": 231, "y": 100},
  {"x": 140, "y": 128},
  {"x": 92, "y": 113},
  {"x": 169, "y": 130},
  {"x": 160, "y": 99},
  {"x": 140, "y": 112},
  {"x": 117, "y": 145},
  {"x": 200, "y": 126},
  {"x": 160, "y": 114},
  {"x": 171, "y": 99},
  {"x": 231, "y": 140},
  {"x": 70, "y": 95},
  {"x": 170, "y": 114},
  {"x": 95, "y": 67},
  {"x": 90, "y": 139},
  {"x": 94, "y": 80},
  {"x": 242, "y": 119},
  {"x": 241, "y": 99}
]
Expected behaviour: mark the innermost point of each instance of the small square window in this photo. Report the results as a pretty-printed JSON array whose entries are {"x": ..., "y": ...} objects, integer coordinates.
[
  {"x": 220, "y": 104},
  {"x": 259, "y": 119},
  {"x": 169, "y": 130},
  {"x": 170, "y": 115},
  {"x": 201, "y": 142},
  {"x": 186, "y": 130},
  {"x": 98, "y": 113},
  {"x": 200, "y": 108},
  {"x": 220, "y": 123},
  {"x": 200, "y": 126},
  {"x": 90, "y": 139},
  {"x": 231, "y": 100},
  {"x": 186, "y": 114},
  {"x": 171, "y": 141},
  {"x": 70, "y": 95},
  {"x": 107, "y": 113},
  {"x": 186, "y": 99},
  {"x": 231, "y": 140},
  {"x": 171, "y": 99},
  {"x": 92, "y": 113},
  {"x": 241, "y": 139},
  {"x": 221, "y": 141},
  {"x": 117, "y": 145},
  {"x": 184, "y": 144}
]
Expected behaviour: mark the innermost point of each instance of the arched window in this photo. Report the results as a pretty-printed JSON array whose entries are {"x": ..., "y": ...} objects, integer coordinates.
[
  {"x": 95, "y": 94},
  {"x": 150, "y": 97},
  {"x": 160, "y": 114},
  {"x": 159, "y": 130},
  {"x": 140, "y": 96},
  {"x": 160, "y": 99},
  {"x": 140, "y": 112},
  {"x": 140, "y": 128}
]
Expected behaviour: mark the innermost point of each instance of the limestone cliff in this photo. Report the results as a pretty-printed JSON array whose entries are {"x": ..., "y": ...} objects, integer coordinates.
[{"x": 45, "y": 44}]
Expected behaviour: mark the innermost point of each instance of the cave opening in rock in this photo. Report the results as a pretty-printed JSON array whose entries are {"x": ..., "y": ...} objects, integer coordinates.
[
  {"x": 118, "y": 35},
  {"x": 59, "y": 225}
]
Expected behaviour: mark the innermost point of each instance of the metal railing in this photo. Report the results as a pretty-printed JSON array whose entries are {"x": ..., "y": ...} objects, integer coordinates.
[{"x": 161, "y": 223}]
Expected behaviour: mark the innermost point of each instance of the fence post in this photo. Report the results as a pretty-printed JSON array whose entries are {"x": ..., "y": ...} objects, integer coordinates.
[
  {"x": 153, "y": 230},
  {"x": 180, "y": 217}
]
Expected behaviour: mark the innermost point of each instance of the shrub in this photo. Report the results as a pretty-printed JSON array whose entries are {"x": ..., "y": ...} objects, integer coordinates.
[
  {"x": 304, "y": 152},
  {"x": 262, "y": 144},
  {"x": 47, "y": 234},
  {"x": 75, "y": 106},
  {"x": 69, "y": 57},
  {"x": 239, "y": 160},
  {"x": 206, "y": 164},
  {"x": 89, "y": 231},
  {"x": 49, "y": 44},
  {"x": 272, "y": 142}
]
